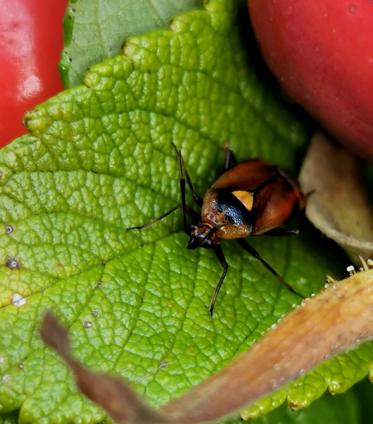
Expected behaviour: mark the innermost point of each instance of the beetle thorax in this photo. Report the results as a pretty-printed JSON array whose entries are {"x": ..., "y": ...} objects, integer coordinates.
[
  {"x": 227, "y": 218},
  {"x": 210, "y": 214}
]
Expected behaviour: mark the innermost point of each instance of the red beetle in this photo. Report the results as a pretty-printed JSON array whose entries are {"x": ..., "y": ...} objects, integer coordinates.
[{"x": 249, "y": 199}]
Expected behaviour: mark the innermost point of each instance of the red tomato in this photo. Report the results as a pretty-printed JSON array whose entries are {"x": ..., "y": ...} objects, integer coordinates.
[
  {"x": 31, "y": 41},
  {"x": 321, "y": 51}
]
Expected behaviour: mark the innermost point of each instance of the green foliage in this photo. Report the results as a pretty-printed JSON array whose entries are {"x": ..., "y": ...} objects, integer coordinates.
[
  {"x": 97, "y": 160},
  {"x": 328, "y": 409},
  {"x": 95, "y": 30},
  {"x": 11, "y": 418},
  {"x": 364, "y": 391}
]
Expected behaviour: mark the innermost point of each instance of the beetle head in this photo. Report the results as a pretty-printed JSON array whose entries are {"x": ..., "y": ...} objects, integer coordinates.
[{"x": 201, "y": 235}]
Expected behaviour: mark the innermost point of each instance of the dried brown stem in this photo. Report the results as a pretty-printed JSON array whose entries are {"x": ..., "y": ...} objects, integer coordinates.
[{"x": 334, "y": 321}]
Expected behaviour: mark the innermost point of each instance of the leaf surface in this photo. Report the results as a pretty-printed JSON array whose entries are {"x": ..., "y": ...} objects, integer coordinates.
[
  {"x": 97, "y": 160},
  {"x": 95, "y": 29}
]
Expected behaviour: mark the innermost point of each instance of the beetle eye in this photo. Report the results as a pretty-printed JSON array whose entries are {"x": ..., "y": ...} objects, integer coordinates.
[{"x": 192, "y": 229}]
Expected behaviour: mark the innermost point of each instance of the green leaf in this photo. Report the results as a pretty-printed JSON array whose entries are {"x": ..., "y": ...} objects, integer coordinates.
[
  {"x": 95, "y": 30},
  {"x": 98, "y": 160},
  {"x": 328, "y": 409},
  {"x": 11, "y": 418}
]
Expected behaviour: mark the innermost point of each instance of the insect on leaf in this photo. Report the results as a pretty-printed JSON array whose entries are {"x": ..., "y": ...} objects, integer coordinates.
[{"x": 98, "y": 160}]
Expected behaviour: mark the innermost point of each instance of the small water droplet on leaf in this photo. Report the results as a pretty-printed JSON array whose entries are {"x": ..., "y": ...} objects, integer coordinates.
[
  {"x": 163, "y": 365},
  {"x": 18, "y": 300},
  {"x": 6, "y": 378},
  {"x": 8, "y": 229},
  {"x": 12, "y": 263},
  {"x": 87, "y": 323}
]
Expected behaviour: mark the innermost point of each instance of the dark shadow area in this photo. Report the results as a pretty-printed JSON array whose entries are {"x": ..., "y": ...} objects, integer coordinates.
[
  {"x": 364, "y": 392},
  {"x": 257, "y": 63}
]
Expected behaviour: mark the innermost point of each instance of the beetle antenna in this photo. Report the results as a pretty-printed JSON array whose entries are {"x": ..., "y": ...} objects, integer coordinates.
[
  {"x": 186, "y": 210},
  {"x": 184, "y": 176},
  {"x": 154, "y": 220},
  {"x": 220, "y": 255}
]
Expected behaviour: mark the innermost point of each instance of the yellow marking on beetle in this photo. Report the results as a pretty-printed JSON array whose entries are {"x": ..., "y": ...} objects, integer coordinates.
[{"x": 245, "y": 197}]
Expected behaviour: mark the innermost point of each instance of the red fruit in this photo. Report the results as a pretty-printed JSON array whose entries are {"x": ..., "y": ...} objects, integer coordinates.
[
  {"x": 31, "y": 40},
  {"x": 322, "y": 54}
]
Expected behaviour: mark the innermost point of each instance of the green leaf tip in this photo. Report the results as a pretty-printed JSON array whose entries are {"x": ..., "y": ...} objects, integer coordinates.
[{"x": 97, "y": 161}]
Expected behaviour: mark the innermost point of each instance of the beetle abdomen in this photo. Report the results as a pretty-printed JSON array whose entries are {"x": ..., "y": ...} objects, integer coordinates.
[{"x": 254, "y": 196}]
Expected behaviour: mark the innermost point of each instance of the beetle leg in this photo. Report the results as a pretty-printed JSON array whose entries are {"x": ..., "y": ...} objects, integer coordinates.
[
  {"x": 220, "y": 255},
  {"x": 253, "y": 252},
  {"x": 282, "y": 232},
  {"x": 230, "y": 160},
  {"x": 186, "y": 210},
  {"x": 185, "y": 176}
]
